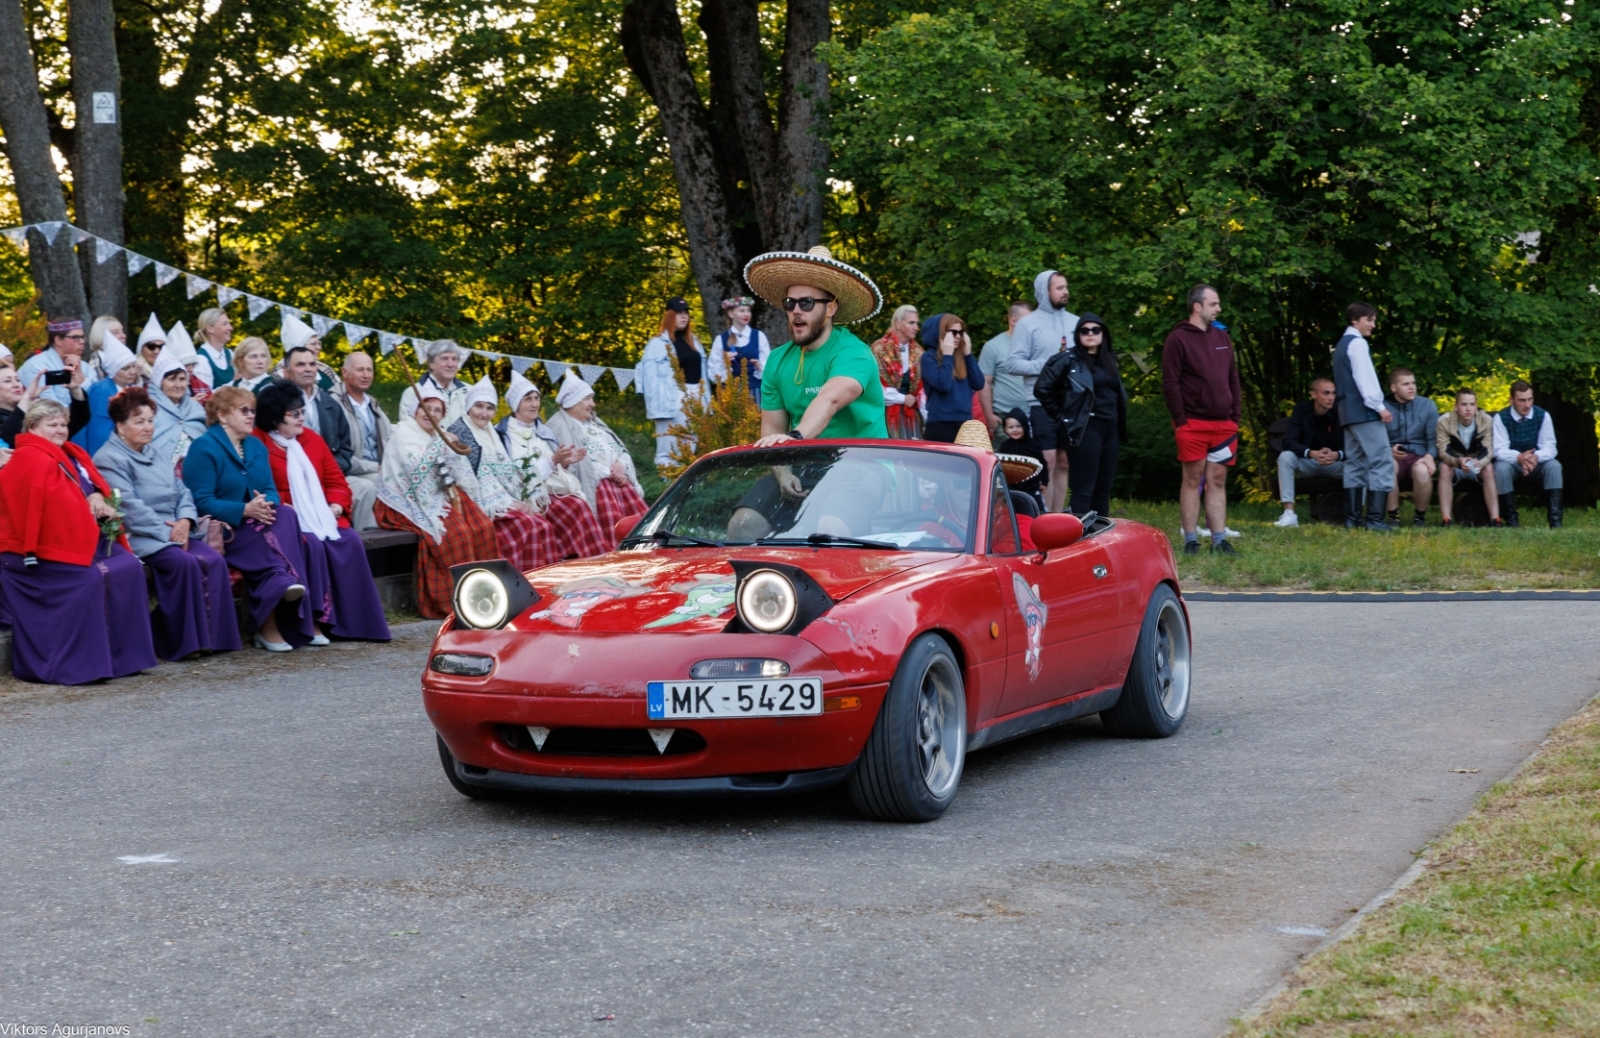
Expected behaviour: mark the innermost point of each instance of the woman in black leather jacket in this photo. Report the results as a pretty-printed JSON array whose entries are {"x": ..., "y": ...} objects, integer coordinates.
[{"x": 1083, "y": 392}]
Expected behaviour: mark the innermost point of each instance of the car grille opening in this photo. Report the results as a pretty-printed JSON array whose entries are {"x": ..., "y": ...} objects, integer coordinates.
[{"x": 600, "y": 742}]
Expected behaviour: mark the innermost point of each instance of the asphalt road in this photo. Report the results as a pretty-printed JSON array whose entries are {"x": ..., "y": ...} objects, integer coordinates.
[{"x": 314, "y": 874}]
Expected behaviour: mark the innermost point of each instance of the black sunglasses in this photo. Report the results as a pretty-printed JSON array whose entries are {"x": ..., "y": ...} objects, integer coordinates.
[
  {"x": 805, "y": 303},
  {"x": 1093, "y": 329}
]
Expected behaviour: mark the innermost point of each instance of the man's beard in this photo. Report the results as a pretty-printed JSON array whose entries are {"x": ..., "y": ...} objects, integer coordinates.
[{"x": 815, "y": 333}]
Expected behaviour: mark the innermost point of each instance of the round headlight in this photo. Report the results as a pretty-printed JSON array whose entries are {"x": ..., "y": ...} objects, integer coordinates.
[
  {"x": 767, "y": 601},
  {"x": 481, "y": 599}
]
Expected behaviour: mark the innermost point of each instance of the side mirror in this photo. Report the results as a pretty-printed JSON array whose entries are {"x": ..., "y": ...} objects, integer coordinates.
[
  {"x": 1056, "y": 530},
  {"x": 624, "y": 526}
]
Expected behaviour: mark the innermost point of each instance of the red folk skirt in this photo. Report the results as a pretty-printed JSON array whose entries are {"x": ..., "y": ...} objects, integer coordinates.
[
  {"x": 615, "y": 501},
  {"x": 469, "y": 536},
  {"x": 578, "y": 533},
  {"x": 525, "y": 540}
]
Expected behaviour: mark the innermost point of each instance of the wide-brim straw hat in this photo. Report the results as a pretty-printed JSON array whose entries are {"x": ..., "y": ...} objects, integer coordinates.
[
  {"x": 1018, "y": 468},
  {"x": 770, "y": 275}
]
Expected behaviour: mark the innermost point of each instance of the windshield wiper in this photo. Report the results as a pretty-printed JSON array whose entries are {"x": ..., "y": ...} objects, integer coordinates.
[
  {"x": 666, "y": 537},
  {"x": 832, "y": 538}
]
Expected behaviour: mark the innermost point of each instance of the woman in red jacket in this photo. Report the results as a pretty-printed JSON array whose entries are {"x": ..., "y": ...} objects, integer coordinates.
[
  {"x": 344, "y": 598},
  {"x": 75, "y": 599}
]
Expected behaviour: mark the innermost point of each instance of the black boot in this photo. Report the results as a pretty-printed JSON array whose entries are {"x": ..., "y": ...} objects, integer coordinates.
[
  {"x": 1508, "y": 509},
  {"x": 1375, "y": 511},
  {"x": 1553, "y": 508},
  {"x": 1354, "y": 497}
]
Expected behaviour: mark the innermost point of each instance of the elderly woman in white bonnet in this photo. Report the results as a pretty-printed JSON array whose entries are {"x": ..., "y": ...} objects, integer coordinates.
[
  {"x": 180, "y": 419},
  {"x": 610, "y": 482},
  {"x": 445, "y": 357},
  {"x": 543, "y": 469},
  {"x": 296, "y": 335}
]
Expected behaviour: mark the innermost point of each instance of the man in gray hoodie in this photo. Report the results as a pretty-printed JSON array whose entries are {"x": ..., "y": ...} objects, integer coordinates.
[{"x": 1038, "y": 337}]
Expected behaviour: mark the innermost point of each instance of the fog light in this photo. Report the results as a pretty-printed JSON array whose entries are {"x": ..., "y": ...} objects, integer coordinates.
[{"x": 462, "y": 664}]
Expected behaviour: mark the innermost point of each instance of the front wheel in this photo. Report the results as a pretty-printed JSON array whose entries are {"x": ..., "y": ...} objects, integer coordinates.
[
  {"x": 1155, "y": 697},
  {"x": 912, "y": 762},
  {"x": 448, "y": 759}
]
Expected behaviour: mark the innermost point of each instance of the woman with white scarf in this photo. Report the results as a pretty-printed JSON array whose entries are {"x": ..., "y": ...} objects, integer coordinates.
[
  {"x": 606, "y": 473},
  {"x": 427, "y": 490},
  {"x": 344, "y": 598},
  {"x": 525, "y": 538},
  {"x": 180, "y": 419}
]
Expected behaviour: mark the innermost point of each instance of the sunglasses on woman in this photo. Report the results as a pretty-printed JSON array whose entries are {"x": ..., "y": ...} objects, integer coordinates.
[
  {"x": 1092, "y": 329},
  {"x": 805, "y": 303}
]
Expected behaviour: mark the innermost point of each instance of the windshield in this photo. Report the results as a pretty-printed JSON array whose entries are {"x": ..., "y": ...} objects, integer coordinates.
[{"x": 873, "y": 497}]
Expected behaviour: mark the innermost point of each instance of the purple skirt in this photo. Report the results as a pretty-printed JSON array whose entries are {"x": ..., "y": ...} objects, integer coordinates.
[
  {"x": 341, "y": 589},
  {"x": 194, "y": 601},
  {"x": 271, "y": 558},
  {"x": 71, "y": 625}
]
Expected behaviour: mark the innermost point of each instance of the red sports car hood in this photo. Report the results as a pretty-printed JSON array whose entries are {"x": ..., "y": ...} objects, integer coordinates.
[{"x": 689, "y": 589}]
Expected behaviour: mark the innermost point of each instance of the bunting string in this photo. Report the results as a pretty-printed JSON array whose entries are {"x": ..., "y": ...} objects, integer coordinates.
[{"x": 195, "y": 285}]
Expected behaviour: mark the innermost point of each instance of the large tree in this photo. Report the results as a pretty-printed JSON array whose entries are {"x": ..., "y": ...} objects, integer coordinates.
[{"x": 749, "y": 180}]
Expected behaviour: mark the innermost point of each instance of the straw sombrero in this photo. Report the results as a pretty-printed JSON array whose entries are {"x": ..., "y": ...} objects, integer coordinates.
[
  {"x": 1018, "y": 468},
  {"x": 770, "y": 275}
]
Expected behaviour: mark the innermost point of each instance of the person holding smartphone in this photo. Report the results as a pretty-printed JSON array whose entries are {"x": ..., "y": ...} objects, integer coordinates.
[
  {"x": 16, "y": 396},
  {"x": 59, "y": 363}
]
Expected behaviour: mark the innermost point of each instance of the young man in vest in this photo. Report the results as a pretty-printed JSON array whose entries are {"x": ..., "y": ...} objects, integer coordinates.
[
  {"x": 1368, "y": 461},
  {"x": 1525, "y": 448}
]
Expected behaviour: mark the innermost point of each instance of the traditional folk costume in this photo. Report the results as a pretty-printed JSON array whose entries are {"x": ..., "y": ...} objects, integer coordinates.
[
  {"x": 182, "y": 347},
  {"x": 271, "y": 557},
  {"x": 295, "y": 333},
  {"x": 178, "y": 424},
  {"x": 75, "y": 600},
  {"x": 114, "y": 356},
  {"x": 902, "y": 410},
  {"x": 425, "y": 490},
  {"x": 194, "y": 597},
  {"x": 609, "y": 499},
  {"x": 344, "y": 597},
  {"x": 525, "y": 540},
  {"x": 554, "y": 490}
]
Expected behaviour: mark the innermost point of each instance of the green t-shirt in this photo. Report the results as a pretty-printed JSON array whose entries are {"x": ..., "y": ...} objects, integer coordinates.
[{"x": 793, "y": 377}]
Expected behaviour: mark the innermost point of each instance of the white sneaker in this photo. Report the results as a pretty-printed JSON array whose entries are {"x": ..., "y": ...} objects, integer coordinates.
[
  {"x": 1287, "y": 519},
  {"x": 1227, "y": 531}
]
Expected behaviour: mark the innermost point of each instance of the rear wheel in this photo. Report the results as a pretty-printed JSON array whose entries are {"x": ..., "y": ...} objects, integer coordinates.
[
  {"x": 1155, "y": 697},
  {"x": 911, "y": 766},
  {"x": 448, "y": 759}
]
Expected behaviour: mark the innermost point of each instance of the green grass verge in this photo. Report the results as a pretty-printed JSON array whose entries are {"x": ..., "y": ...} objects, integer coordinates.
[
  {"x": 1500, "y": 936},
  {"x": 1323, "y": 557}
]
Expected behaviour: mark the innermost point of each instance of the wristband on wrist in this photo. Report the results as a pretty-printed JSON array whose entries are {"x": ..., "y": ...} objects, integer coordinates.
[{"x": 796, "y": 434}]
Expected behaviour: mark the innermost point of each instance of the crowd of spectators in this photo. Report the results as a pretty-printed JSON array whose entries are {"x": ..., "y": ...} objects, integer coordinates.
[{"x": 159, "y": 500}]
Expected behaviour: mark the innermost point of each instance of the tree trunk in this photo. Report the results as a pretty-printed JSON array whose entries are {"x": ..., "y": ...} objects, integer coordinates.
[
  {"x": 1569, "y": 397},
  {"x": 802, "y": 112},
  {"x": 97, "y": 186},
  {"x": 652, "y": 41},
  {"x": 22, "y": 119}
]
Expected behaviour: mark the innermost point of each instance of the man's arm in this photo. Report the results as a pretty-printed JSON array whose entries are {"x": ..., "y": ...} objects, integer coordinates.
[
  {"x": 1022, "y": 360},
  {"x": 1502, "y": 443},
  {"x": 1366, "y": 376},
  {"x": 1546, "y": 449},
  {"x": 1233, "y": 384},
  {"x": 1298, "y": 439},
  {"x": 836, "y": 394},
  {"x": 1171, "y": 373},
  {"x": 1432, "y": 437},
  {"x": 986, "y": 401}
]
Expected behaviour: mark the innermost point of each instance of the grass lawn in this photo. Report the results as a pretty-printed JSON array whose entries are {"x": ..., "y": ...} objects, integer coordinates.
[
  {"x": 1322, "y": 557},
  {"x": 1500, "y": 935}
]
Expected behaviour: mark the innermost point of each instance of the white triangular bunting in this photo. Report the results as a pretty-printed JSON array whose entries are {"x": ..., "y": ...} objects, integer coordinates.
[
  {"x": 79, "y": 235},
  {"x": 137, "y": 263},
  {"x": 104, "y": 250},
  {"x": 490, "y": 355},
  {"x": 555, "y": 369},
  {"x": 226, "y": 295},
  {"x": 50, "y": 228},
  {"x": 624, "y": 377},
  {"x": 591, "y": 372},
  {"x": 321, "y": 325},
  {"x": 165, "y": 275},
  {"x": 256, "y": 305},
  {"x": 521, "y": 364},
  {"x": 17, "y": 235},
  {"x": 195, "y": 284},
  {"x": 387, "y": 340},
  {"x": 420, "y": 348},
  {"x": 354, "y": 333}
]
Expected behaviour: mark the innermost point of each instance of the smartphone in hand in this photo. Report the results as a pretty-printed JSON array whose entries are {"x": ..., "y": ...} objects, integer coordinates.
[{"x": 57, "y": 378}]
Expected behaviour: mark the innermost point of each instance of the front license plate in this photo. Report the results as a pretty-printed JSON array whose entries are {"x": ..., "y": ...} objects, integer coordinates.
[{"x": 782, "y": 697}]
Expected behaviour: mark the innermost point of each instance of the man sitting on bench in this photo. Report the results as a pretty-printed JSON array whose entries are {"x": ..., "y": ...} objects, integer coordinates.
[
  {"x": 1412, "y": 437},
  {"x": 1525, "y": 448},
  {"x": 1464, "y": 435},
  {"x": 1313, "y": 446}
]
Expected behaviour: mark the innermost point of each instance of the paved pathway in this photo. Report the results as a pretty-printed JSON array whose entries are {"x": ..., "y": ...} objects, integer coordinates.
[{"x": 257, "y": 846}]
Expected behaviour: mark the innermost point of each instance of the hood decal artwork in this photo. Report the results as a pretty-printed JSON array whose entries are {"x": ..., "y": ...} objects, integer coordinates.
[
  {"x": 708, "y": 595},
  {"x": 577, "y": 597}
]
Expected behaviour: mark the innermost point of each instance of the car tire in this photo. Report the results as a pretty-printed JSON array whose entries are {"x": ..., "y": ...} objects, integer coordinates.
[
  {"x": 911, "y": 766},
  {"x": 448, "y": 759},
  {"x": 1155, "y": 696}
]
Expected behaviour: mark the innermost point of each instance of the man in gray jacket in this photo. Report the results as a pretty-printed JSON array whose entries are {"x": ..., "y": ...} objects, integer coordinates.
[
  {"x": 1038, "y": 337},
  {"x": 1413, "y": 440},
  {"x": 369, "y": 432}
]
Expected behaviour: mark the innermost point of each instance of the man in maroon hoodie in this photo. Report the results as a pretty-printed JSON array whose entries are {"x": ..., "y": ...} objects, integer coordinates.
[{"x": 1200, "y": 379}]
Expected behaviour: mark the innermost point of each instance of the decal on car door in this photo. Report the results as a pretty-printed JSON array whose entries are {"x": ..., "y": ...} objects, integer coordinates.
[{"x": 1034, "y": 615}]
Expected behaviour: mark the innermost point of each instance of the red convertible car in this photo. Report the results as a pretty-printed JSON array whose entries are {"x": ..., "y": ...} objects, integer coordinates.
[{"x": 791, "y": 618}]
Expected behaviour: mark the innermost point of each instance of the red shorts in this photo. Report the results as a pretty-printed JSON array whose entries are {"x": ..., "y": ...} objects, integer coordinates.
[
  {"x": 1404, "y": 463},
  {"x": 1201, "y": 439}
]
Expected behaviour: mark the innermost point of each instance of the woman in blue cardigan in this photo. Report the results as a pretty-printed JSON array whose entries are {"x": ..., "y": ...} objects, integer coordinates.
[
  {"x": 230, "y": 477},
  {"x": 950, "y": 376}
]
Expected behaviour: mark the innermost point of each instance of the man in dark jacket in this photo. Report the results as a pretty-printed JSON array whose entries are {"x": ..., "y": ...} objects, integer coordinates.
[
  {"x": 1313, "y": 446},
  {"x": 1200, "y": 380}
]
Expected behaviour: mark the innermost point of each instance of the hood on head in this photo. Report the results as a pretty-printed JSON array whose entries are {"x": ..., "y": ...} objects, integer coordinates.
[
  {"x": 1041, "y": 290},
  {"x": 1090, "y": 317},
  {"x": 930, "y": 332},
  {"x": 1027, "y": 429}
]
